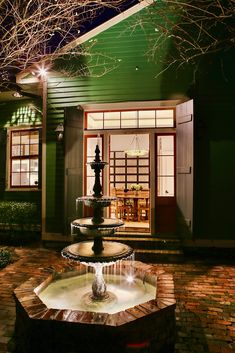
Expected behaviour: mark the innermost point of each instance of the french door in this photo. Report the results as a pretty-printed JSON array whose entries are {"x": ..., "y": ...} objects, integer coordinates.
[{"x": 165, "y": 187}]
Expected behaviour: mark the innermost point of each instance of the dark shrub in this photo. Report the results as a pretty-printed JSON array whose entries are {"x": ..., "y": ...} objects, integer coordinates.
[
  {"x": 18, "y": 221},
  {"x": 5, "y": 257}
]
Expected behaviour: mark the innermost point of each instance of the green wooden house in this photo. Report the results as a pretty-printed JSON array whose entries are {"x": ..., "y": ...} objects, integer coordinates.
[{"x": 111, "y": 97}]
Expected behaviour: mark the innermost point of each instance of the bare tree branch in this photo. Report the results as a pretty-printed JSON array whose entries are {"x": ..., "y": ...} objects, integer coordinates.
[
  {"x": 34, "y": 30},
  {"x": 177, "y": 32},
  {"x": 182, "y": 31}
]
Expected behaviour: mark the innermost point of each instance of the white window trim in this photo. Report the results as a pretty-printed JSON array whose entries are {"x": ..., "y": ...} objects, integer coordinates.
[{"x": 8, "y": 158}]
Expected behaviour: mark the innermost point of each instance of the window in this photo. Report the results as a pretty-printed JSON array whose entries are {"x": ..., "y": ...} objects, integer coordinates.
[
  {"x": 24, "y": 158},
  {"x": 130, "y": 119}
]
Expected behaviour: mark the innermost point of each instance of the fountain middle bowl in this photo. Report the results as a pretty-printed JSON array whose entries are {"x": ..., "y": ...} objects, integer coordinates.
[{"x": 87, "y": 226}]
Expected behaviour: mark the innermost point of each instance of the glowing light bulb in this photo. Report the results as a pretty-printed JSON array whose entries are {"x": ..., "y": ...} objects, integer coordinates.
[{"x": 42, "y": 72}]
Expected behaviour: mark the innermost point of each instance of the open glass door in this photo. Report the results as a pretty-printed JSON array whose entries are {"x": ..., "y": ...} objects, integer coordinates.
[
  {"x": 129, "y": 175},
  {"x": 165, "y": 183}
]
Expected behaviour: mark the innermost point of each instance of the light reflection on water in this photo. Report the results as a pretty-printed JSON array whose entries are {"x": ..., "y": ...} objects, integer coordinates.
[{"x": 67, "y": 293}]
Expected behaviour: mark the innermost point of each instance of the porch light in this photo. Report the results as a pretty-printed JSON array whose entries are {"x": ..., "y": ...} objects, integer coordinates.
[
  {"x": 17, "y": 94},
  {"x": 135, "y": 150},
  {"x": 42, "y": 71},
  {"x": 60, "y": 132}
]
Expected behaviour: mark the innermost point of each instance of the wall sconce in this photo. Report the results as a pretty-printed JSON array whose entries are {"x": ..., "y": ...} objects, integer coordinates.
[{"x": 60, "y": 132}]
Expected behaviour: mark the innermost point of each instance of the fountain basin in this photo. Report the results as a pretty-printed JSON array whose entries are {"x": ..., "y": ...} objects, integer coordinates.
[{"x": 43, "y": 329}]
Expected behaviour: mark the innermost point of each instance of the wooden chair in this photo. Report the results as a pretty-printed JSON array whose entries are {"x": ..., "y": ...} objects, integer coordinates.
[
  {"x": 124, "y": 210},
  {"x": 143, "y": 205}
]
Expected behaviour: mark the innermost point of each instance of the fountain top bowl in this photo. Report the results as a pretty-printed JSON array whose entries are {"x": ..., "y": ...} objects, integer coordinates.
[{"x": 92, "y": 201}]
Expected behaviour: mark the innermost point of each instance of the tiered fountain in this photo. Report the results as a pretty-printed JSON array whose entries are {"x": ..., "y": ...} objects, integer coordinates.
[
  {"x": 97, "y": 253},
  {"x": 74, "y": 312}
]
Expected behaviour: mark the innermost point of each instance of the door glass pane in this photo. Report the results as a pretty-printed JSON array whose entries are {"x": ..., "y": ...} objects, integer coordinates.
[
  {"x": 165, "y": 165},
  {"x": 165, "y": 186},
  {"x": 165, "y": 145},
  {"x": 90, "y": 185}
]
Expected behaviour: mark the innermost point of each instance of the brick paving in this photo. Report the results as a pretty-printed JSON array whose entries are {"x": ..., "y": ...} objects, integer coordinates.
[{"x": 204, "y": 291}]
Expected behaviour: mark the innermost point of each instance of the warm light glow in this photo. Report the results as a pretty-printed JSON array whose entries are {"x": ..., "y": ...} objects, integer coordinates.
[
  {"x": 130, "y": 278},
  {"x": 135, "y": 150},
  {"x": 42, "y": 71},
  {"x": 136, "y": 153}
]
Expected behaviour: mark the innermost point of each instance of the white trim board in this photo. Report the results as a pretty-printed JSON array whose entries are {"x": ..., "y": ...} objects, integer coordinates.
[{"x": 129, "y": 105}]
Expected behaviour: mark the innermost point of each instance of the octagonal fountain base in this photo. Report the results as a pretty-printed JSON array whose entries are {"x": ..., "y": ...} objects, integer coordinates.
[{"x": 148, "y": 326}]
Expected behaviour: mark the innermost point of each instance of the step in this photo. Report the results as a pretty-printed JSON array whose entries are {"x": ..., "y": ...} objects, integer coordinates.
[
  {"x": 150, "y": 243},
  {"x": 159, "y": 256}
]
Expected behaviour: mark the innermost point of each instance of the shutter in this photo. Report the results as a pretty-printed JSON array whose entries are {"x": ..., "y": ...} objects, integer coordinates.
[
  {"x": 3, "y": 151},
  {"x": 73, "y": 163},
  {"x": 184, "y": 164}
]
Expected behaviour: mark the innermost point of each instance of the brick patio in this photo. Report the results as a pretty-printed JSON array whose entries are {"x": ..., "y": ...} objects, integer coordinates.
[{"x": 205, "y": 294}]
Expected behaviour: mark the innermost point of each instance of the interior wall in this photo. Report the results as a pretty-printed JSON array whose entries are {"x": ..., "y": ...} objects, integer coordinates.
[{"x": 124, "y": 142}]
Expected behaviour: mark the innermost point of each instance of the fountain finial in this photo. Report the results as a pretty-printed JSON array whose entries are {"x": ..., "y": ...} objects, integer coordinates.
[{"x": 97, "y": 165}]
